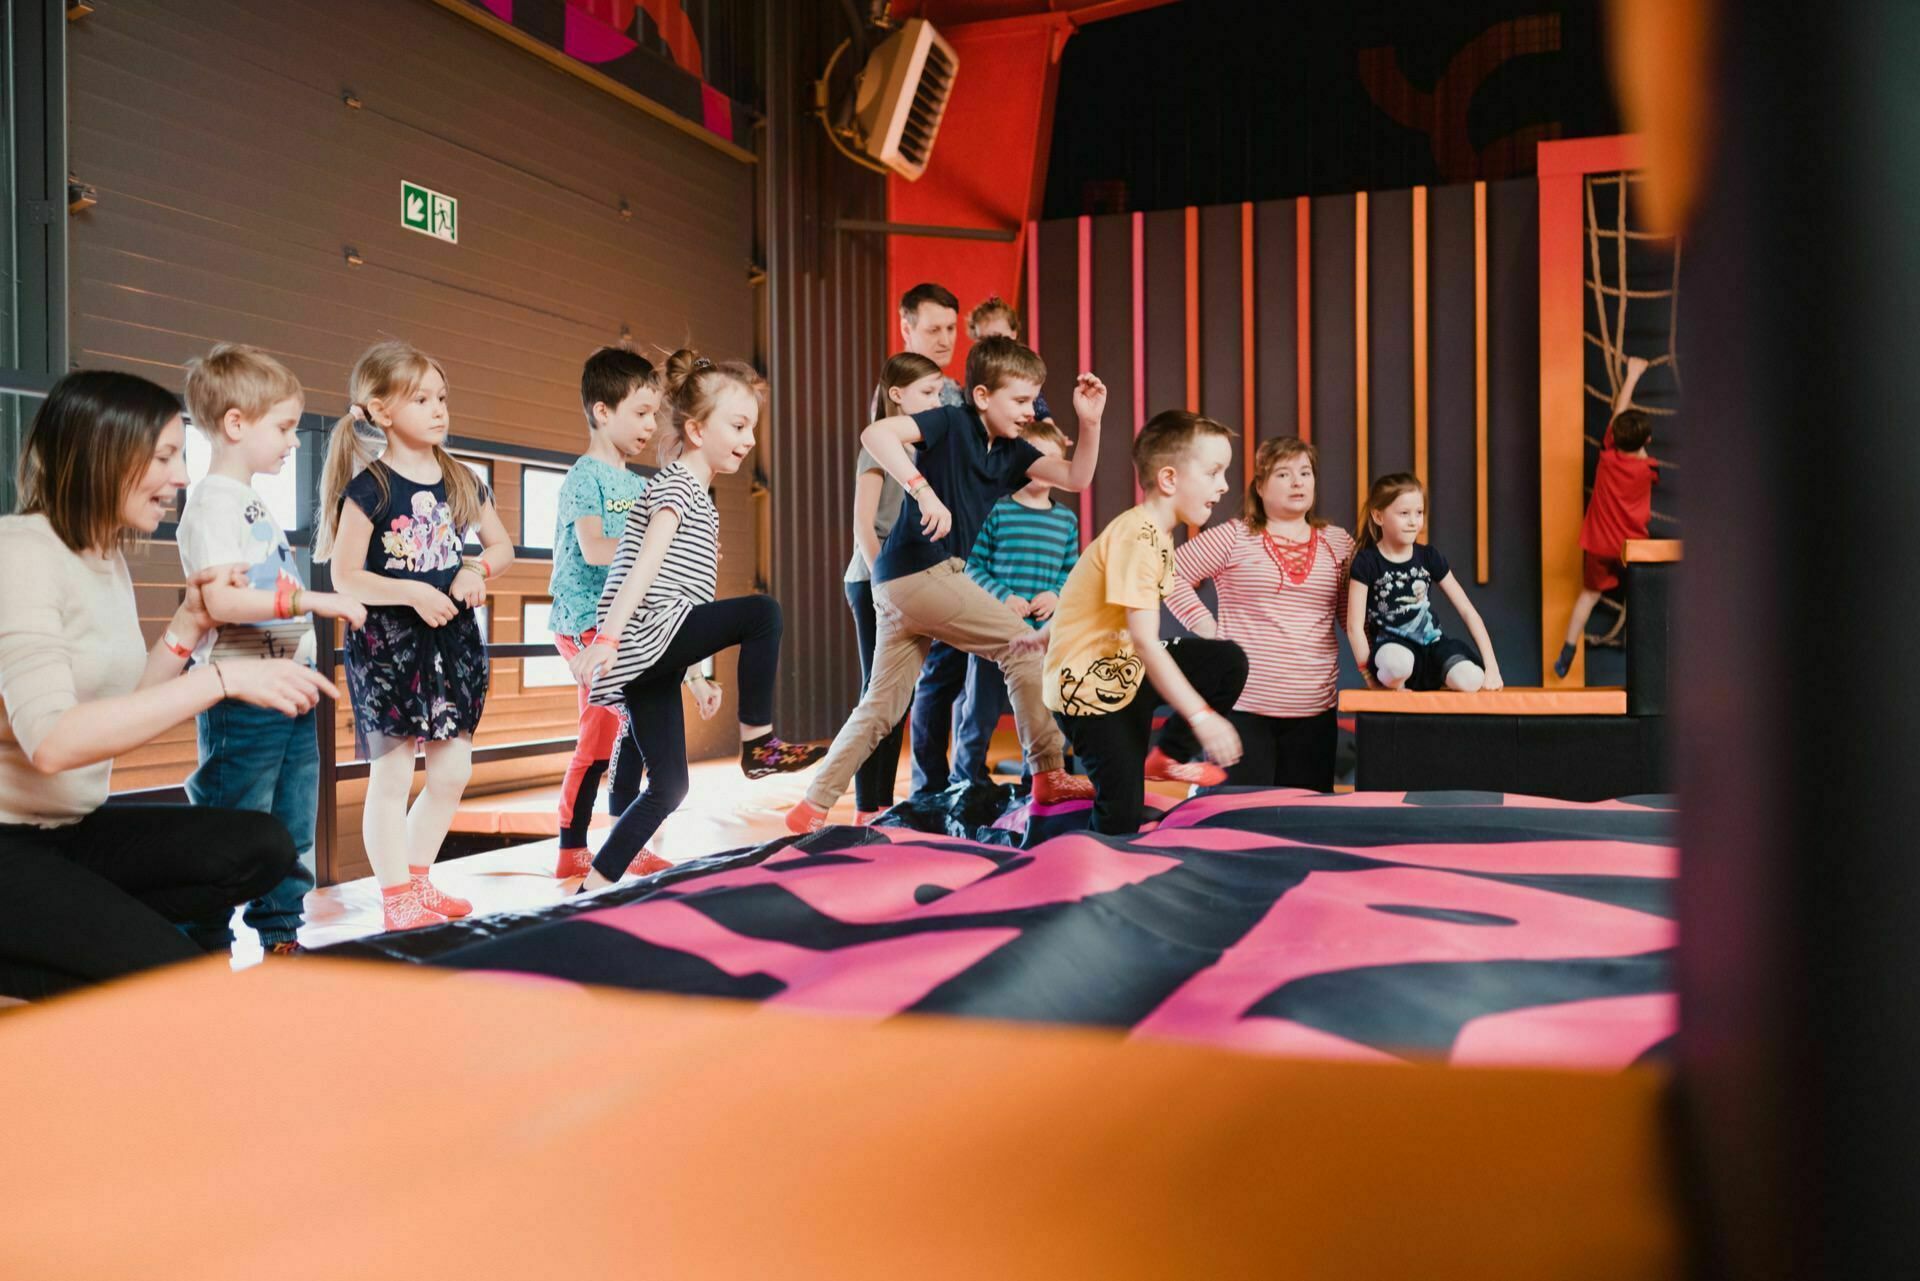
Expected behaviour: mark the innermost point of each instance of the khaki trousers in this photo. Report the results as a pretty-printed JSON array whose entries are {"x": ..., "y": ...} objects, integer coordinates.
[{"x": 941, "y": 604}]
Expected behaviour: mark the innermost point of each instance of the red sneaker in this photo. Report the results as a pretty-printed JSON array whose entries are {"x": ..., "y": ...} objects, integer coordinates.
[
  {"x": 1162, "y": 768},
  {"x": 401, "y": 909},
  {"x": 803, "y": 818},
  {"x": 1057, "y": 785},
  {"x": 646, "y": 863}
]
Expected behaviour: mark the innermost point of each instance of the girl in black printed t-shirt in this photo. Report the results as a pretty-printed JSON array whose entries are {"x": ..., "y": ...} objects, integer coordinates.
[{"x": 1390, "y": 622}]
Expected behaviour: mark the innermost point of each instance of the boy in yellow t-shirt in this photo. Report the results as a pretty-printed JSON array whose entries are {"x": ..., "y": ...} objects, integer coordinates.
[{"x": 1107, "y": 671}]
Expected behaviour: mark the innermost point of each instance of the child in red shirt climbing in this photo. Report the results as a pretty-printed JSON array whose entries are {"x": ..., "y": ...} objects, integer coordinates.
[{"x": 1621, "y": 505}]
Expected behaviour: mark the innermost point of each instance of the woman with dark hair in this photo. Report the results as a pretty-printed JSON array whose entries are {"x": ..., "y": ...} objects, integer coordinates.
[{"x": 89, "y": 893}]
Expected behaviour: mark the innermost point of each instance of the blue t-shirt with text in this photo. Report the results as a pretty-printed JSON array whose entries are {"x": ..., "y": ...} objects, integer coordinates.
[{"x": 592, "y": 488}]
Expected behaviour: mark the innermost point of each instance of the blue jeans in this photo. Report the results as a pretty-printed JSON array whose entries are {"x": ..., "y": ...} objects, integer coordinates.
[
  {"x": 943, "y": 678},
  {"x": 979, "y": 715},
  {"x": 255, "y": 759}
]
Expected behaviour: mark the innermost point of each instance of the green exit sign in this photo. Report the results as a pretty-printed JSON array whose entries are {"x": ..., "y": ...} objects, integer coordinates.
[{"x": 429, "y": 213}]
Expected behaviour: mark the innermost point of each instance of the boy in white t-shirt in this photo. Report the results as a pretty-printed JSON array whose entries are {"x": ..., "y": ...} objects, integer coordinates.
[{"x": 248, "y": 405}]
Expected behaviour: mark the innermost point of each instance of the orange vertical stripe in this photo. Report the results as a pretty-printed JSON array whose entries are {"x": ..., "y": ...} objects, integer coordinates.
[
  {"x": 1562, "y": 375},
  {"x": 1483, "y": 565},
  {"x": 1303, "y": 311},
  {"x": 1420, "y": 348},
  {"x": 1248, "y": 410},
  {"x": 1193, "y": 309},
  {"x": 1360, "y": 351}
]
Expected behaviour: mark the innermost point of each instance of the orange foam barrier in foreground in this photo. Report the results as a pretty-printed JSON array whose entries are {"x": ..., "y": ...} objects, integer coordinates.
[
  {"x": 331, "y": 1119},
  {"x": 1605, "y": 700}
]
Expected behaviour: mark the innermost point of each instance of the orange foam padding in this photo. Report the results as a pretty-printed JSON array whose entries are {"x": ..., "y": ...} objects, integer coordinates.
[
  {"x": 1650, "y": 551},
  {"x": 532, "y": 812},
  {"x": 922, "y": 1147},
  {"x": 1482, "y": 560},
  {"x": 1608, "y": 700}
]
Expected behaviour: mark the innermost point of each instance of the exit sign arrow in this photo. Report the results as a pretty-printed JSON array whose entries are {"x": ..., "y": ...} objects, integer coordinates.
[{"x": 429, "y": 212}]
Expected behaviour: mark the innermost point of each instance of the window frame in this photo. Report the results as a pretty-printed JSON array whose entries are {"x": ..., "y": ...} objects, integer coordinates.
[
  {"x": 528, "y": 468},
  {"x": 526, "y": 638}
]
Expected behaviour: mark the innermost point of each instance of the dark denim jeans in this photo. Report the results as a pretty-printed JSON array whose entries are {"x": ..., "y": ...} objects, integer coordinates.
[{"x": 255, "y": 759}]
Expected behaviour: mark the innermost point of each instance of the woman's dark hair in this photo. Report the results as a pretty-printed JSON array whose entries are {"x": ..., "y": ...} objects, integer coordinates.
[{"x": 89, "y": 444}]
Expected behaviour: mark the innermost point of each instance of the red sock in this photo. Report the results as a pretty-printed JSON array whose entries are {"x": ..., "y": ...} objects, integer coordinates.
[
  {"x": 573, "y": 863},
  {"x": 432, "y": 898}
]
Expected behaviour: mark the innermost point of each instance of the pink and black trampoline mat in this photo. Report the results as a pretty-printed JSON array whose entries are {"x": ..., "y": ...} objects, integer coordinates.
[{"x": 1468, "y": 927}]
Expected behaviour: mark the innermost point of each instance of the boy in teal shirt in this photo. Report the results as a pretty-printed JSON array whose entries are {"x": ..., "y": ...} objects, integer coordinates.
[
  {"x": 1023, "y": 554},
  {"x": 620, "y": 392}
]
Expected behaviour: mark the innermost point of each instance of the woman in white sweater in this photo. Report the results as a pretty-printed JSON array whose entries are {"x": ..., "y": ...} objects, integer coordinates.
[{"x": 90, "y": 892}]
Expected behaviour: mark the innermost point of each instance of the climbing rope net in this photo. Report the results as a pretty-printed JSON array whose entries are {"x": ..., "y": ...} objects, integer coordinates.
[{"x": 1632, "y": 279}]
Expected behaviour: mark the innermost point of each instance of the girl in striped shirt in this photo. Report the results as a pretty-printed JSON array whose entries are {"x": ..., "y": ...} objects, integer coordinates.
[
  {"x": 658, "y": 617},
  {"x": 1280, "y": 572}
]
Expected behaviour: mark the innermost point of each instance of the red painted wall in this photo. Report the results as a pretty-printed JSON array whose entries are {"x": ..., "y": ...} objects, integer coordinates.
[{"x": 988, "y": 169}]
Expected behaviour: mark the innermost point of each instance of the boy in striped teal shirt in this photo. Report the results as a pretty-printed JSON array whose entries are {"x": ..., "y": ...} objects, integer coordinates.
[{"x": 1023, "y": 555}]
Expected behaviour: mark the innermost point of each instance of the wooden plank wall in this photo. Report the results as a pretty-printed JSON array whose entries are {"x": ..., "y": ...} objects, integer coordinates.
[{"x": 235, "y": 178}]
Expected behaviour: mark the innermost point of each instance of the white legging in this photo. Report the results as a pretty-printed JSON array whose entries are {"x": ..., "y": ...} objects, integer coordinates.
[{"x": 395, "y": 836}]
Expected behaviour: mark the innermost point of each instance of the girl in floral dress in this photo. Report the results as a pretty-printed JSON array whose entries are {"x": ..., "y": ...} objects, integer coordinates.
[{"x": 395, "y": 529}]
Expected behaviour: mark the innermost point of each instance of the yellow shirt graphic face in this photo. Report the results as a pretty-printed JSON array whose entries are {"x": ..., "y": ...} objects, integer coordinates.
[{"x": 1091, "y": 666}]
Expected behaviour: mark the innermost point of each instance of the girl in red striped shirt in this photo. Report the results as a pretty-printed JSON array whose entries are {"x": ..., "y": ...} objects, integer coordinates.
[{"x": 1280, "y": 571}]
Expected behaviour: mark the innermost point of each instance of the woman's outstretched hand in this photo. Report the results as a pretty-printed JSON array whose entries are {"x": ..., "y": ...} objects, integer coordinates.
[{"x": 277, "y": 684}]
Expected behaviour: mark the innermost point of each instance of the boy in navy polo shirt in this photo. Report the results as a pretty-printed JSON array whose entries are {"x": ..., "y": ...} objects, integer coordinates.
[{"x": 969, "y": 459}]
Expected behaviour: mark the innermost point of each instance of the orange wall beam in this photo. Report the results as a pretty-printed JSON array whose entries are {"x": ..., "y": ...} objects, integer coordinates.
[{"x": 1483, "y": 558}]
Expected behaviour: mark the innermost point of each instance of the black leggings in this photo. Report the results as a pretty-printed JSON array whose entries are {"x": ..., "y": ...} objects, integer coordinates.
[
  {"x": 103, "y": 897},
  {"x": 1113, "y": 747},
  {"x": 656, "y": 719},
  {"x": 873, "y": 781},
  {"x": 1285, "y": 751}
]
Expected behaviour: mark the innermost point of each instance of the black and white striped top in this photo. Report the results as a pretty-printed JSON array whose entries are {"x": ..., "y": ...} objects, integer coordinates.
[{"x": 687, "y": 577}]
